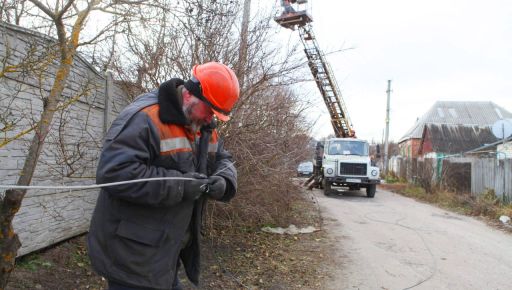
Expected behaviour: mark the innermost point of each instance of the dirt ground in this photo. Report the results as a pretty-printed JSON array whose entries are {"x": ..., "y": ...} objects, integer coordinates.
[{"x": 244, "y": 259}]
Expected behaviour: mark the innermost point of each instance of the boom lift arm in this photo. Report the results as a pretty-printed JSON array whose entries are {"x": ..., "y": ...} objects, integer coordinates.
[{"x": 320, "y": 68}]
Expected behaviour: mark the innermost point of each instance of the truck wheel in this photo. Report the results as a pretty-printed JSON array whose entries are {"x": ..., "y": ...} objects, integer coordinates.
[
  {"x": 370, "y": 190},
  {"x": 327, "y": 187}
]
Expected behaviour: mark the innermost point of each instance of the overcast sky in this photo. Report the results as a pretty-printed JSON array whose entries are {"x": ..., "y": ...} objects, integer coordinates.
[{"x": 431, "y": 50}]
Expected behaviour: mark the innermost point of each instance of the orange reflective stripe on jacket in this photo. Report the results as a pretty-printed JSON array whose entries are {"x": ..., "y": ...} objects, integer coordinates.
[{"x": 175, "y": 138}]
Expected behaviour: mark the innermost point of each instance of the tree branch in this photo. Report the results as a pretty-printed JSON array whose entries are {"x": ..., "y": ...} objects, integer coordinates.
[{"x": 44, "y": 9}]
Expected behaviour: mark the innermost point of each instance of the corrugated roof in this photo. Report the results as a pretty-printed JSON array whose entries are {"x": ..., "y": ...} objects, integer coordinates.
[
  {"x": 482, "y": 114},
  {"x": 491, "y": 146},
  {"x": 447, "y": 138}
]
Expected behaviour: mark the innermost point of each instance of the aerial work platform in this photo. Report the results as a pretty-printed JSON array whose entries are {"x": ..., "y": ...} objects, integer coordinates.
[{"x": 290, "y": 20}]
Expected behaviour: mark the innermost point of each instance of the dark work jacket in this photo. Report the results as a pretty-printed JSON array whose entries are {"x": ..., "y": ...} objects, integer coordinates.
[{"x": 136, "y": 231}]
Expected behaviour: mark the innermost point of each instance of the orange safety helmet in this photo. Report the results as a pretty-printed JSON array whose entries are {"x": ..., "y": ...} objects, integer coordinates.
[{"x": 217, "y": 85}]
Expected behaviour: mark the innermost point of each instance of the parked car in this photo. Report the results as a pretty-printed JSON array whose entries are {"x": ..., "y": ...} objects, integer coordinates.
[{"x": 305, "y": 169}]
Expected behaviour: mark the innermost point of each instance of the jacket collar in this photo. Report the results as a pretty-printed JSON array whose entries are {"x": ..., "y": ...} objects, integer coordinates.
[{"x": 170, "y": 100}]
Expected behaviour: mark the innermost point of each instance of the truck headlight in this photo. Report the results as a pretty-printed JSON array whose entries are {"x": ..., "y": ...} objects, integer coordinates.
[
  {"x": 374, "y": 172},
  {"x": 330, "y": 171}
]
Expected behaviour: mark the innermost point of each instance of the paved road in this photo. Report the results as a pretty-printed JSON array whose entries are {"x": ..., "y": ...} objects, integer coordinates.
[{"x": 393, "y": 242}]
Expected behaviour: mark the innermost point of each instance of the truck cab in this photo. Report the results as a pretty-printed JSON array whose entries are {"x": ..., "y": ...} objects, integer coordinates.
[{"x": 346, "y": 163}]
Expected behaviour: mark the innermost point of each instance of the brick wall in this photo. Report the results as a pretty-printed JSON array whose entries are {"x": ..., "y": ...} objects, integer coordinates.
[{"x": 71, "y": 149}]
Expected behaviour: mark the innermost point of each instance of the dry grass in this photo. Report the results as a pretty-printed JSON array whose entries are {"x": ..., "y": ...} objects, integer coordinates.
[
  {"x": 257, "y": 260},
  {"x": 240, "y": 256},
  {"x": 487, "y": 205},
  {"x": 273, "y": 205}
]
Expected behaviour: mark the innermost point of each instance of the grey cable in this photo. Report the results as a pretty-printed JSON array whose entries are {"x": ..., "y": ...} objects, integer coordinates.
[{"x": 92, "y": 186}]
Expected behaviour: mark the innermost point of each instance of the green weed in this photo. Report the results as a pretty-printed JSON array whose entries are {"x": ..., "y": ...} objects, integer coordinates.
[
  {"x": 33, "y": 263},
  {"x": 80, "y": 258}
]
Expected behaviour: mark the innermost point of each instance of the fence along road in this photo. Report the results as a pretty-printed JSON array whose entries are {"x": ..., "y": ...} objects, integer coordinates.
[{"x": 393, "y": 242}]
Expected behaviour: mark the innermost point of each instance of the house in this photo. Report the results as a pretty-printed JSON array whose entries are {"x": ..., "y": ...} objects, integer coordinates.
[
  {"x": 505, "y": 149},
  {"x": 473, "y": 114},
  {"x": 447, "y": 139},
  {"x": 502, "y": 149}
]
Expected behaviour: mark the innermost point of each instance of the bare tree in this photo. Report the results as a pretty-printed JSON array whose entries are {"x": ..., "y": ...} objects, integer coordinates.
[
  {"x": 268, "y": 143},
  {"x": 268, "y": 132},
  {"x": 11, "y": 11}
]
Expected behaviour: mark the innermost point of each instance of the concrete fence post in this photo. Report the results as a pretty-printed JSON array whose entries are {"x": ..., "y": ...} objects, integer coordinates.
[{"x": 109, "y": 91}]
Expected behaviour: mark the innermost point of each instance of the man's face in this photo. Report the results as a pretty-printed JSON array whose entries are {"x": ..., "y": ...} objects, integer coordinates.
[{"x": 196, "y": 111}]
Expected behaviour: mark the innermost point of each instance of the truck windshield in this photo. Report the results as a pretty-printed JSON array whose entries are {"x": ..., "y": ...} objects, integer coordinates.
[{"x": 348, "y": 148}]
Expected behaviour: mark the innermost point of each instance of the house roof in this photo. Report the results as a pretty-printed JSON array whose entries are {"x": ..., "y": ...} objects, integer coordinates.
[
  {"x": 482, "y": 114},
  {"x": 449, "y": 138},
  {"x": 491, "y": 146}
]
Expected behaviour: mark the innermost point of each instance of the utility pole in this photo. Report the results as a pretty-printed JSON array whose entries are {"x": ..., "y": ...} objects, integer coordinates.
[
  {"x": 242, "y": 60},
  {"x": 386, "y": 141}
]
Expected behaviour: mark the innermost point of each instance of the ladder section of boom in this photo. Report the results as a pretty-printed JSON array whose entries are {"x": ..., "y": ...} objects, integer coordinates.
[{"x": 326, "y": 83}]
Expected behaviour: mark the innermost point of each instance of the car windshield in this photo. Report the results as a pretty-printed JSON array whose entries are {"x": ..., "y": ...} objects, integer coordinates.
[
  {"x": 348, "y": 148},
  {"x": 308, "y": 166}
]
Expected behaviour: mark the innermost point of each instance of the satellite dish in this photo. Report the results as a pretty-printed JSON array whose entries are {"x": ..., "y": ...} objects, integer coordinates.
[{"x": 502, "y": 128}]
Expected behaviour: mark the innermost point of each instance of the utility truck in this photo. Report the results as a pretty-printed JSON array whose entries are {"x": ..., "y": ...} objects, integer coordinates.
[
  {"x": 341, "y": 161},
  {"x": 346, "y": 163}
]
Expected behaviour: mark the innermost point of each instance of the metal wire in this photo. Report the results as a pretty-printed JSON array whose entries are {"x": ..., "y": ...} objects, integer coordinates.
[{"x": 92, "y": 186}]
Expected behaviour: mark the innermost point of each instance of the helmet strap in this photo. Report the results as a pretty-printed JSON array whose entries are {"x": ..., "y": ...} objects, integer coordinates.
[{"x": 194, "y": 87}]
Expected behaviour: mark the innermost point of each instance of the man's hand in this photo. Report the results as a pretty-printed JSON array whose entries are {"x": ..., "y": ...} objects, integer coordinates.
[
  {"x": 194, "y": 188},
  {"x": 217, "y": 186}
]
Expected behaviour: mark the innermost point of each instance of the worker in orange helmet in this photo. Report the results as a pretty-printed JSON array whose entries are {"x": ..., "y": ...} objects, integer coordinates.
[
  {"x": 216, "y": 85},
  {"x": 140, "y": 232}
]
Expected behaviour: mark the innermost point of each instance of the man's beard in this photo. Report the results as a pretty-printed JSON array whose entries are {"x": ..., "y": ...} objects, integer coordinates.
[{"x": 195, "y": 124}]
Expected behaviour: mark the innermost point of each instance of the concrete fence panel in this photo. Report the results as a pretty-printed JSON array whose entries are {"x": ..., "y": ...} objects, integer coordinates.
[{"x": 73, "y": 145}]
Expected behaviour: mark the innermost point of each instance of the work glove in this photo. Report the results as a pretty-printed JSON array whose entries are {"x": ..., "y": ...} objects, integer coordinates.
[
  {"x": 217, "y": 186},
  {"x": 194, "y": 188}
]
